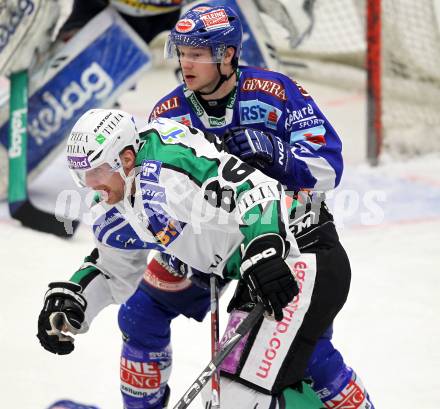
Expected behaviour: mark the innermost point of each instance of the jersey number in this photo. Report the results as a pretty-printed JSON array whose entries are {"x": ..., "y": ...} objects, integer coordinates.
[{"x": 223, "y": 196}]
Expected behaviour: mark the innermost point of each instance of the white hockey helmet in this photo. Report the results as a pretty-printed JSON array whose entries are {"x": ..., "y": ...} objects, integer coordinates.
[{"x": 97, "y": 138}]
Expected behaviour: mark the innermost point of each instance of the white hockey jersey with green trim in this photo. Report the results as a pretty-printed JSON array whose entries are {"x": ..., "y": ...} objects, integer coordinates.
[{"x": 192, "y": 200}]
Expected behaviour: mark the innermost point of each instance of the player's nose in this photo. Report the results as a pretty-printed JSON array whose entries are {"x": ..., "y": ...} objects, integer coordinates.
[{"x": 186, "y": 63}]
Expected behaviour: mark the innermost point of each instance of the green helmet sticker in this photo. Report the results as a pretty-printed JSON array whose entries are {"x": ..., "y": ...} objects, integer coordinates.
[{"x": 100, "y": 138}]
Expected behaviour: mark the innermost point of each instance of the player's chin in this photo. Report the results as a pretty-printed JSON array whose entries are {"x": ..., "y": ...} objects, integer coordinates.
[
  {"x": 192, "y": 83},
  {"x": 113, "y": 198}
]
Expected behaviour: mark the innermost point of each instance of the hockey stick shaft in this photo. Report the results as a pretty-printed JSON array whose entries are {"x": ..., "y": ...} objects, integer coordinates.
[
  {"x": 17, "y": 152},
  {"x": 215, "y": 381},
  {"x": 206, "y": 374},
  {"x": 20, "y": 205}
]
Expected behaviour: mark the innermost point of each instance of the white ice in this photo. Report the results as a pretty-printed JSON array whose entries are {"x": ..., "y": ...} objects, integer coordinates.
[{"x": 389, "y": 222}]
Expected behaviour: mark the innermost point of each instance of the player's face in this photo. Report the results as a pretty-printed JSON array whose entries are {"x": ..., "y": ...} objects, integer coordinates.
[
  {"x": 199, "y": 70},
  {"x": 107, "y": 181}
]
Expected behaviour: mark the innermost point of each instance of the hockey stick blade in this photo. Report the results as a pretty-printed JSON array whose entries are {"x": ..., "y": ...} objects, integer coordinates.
[
  {"x": 206, "y": 374},
  {"x": 30, "y": 216}
]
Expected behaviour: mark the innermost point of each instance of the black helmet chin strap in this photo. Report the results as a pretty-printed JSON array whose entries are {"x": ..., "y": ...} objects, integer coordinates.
[{"x": 223, "y": 78}]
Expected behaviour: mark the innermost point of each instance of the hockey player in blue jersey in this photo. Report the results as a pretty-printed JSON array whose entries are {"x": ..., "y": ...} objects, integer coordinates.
[{"x": 271, "y": 122}]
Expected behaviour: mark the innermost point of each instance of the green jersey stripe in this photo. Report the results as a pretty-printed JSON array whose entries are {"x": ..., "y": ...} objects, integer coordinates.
[
  {"x": 84, "y": 276},
  {"x": 178, "y": 157}
]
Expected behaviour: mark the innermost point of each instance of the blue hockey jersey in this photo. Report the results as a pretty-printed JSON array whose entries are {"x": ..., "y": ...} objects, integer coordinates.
[{"x": 269, "y": 101}]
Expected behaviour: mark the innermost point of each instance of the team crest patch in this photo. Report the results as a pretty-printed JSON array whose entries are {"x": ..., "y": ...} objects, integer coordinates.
[
  {"x": 151, "y": 170},
  {"x": 315, "y": 137},
  {"x": 183, "y": 119},
  {"x": 172, "y": 135}
]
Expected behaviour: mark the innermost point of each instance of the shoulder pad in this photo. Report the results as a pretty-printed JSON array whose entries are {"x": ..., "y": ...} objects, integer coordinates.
[{"x": 170, "y": 131}]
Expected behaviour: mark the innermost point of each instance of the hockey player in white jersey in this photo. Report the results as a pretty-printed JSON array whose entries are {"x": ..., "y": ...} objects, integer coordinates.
[{"x": 170, "y": 189}]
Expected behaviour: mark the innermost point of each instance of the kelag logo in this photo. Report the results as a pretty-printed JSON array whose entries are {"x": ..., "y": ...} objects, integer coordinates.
[
  {"x": 91, "y": 76},
  {"x": 94, "y": 82},
  {"x": 255, "y": 112},
  {"x": 18, "y": 129}
]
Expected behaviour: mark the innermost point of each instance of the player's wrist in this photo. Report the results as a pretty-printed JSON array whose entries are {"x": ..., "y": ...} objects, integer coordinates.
[{"x": 282, "y": 167}]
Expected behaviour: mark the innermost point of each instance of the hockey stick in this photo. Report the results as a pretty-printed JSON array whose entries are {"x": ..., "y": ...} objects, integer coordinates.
[
  {"x": 20, "y": 206},
  {"x": 215, "y": 381},
  {"x": 244, "y": 327}
]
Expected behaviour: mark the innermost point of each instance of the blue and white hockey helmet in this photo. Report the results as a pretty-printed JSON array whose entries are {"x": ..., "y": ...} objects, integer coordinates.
[
  {"x": 97, "y": 139},
  {"x": 205, "y": 26}
]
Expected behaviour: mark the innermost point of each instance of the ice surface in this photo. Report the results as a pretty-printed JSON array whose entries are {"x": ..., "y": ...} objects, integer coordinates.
[{"x": 389, "y": 222}]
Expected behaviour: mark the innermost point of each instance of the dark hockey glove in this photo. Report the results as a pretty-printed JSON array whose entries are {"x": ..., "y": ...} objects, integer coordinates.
[
  {"x": 267, "y": 275},
  {"x": 250, "y": 145},
  {"x": 63, "y": 311},
  {"x": 265, "y": 152},
  {"x": 180, "y": 269}
]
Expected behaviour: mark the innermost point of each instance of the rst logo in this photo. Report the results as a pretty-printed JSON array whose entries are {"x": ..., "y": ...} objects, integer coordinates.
[
  {"x": 151, "y": 170},
  {"x": 255, "y": 112}
]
